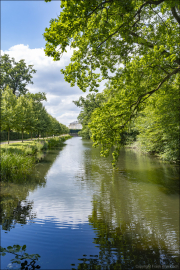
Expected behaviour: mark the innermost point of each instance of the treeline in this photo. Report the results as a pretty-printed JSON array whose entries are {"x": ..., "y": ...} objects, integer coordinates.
[
  {"x": 13, "y": 135},
  {"x": 26, "y": 114},
  {"x": 21, "y": 111}
]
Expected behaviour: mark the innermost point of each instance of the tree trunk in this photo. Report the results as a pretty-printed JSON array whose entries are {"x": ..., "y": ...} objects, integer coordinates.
[
  {"x": 22, "y": 135},
  {"x": 8, "y": 136}
]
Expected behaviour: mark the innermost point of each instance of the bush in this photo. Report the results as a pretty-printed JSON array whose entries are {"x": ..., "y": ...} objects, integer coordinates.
[{"x": 56, "y": 141}]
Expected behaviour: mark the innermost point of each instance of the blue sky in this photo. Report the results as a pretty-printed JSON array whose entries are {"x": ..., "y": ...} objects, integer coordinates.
[
  {"x": 24, "y": 22},
  {"x": 22, "y": 26}
]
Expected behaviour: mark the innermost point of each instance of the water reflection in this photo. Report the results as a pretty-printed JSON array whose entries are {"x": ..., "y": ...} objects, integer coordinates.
[
  {"x": 148, "y": 169},
  {"x": 21, "y": 259},
  {"x": 95, "y": 218},
  {"x": 62, "y": 201},
  {"x": 14, "y": 211},
  {"x": 135, "y": 210},
  {"x": 14, "y": 206},
  {"x": 133, "y": 166},
  {"x": 124, "y": 248}
]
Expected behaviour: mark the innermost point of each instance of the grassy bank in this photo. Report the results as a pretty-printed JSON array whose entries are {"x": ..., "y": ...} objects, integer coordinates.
[{"x": 18, "y": 159}]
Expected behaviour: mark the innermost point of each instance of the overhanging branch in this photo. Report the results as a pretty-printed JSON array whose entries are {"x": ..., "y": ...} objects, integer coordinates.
[
  {"x": 176, "y": 16},
  {"x": 149, "y": 93}
]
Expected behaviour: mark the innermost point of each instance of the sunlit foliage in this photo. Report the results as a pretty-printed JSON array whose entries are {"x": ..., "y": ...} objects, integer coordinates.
[{"x": 132, "y": 44}]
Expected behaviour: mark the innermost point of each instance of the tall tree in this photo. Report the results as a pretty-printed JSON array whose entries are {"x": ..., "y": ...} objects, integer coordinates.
[
  {"x": 43, "y": 121},
  {"x": 15, "y": 74},
  {"x": 106, "y": 34},
  {"x": 134, "y": 44},
  {"x": 25, "y": 116},
  {"x": 8, "y": 104},
  {"x": 159, "y": 123}
]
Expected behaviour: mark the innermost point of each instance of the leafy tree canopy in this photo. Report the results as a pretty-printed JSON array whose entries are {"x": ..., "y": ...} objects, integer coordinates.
[
  {"x": 15, "y": 74},
  {"x": 134, "y": 44},
  {"x": 26, "y": 113},
  {"x": 88, "y": 105},
  {"x": 105, "y": 34},
  {"x": 38, "y": 97},
  {"x": 8, "y": 104}
]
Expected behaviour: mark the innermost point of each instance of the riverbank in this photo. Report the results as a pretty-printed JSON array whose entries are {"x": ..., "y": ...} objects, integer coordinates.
[
  {"x": 18, "y": 159},
  {"x": 78, "y": 202},
  {"x": 136, "y": 146}
]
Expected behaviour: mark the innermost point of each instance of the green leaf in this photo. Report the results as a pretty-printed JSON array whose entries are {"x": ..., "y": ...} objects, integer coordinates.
[{"x": 24, "y": 247}]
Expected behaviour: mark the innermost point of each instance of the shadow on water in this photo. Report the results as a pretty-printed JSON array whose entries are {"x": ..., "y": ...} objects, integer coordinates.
[
  {"x": 149, "y": 169},
  {"x": 134, "y": 211},
  {"x": 134, "y": 167}
]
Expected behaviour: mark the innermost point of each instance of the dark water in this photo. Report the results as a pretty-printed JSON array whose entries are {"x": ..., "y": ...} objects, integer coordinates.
[{"x": 79, "y": 214}]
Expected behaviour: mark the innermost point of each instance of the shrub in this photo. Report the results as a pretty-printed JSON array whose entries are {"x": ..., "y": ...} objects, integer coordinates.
[{"x": 55, "y": 142}]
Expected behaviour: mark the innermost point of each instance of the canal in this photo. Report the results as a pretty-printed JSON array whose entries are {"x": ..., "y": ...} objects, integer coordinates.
[{"x": 77, "y": 213}]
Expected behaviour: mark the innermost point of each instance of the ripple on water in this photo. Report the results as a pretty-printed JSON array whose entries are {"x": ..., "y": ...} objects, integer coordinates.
[{"x": 86, "y": 213}]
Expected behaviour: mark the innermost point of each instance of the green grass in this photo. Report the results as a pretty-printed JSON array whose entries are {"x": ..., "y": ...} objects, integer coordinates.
[
  {"x": 26, "y": 148},
  {"x": 18, "y": 159},
  {"x": 16, "y": 166}
]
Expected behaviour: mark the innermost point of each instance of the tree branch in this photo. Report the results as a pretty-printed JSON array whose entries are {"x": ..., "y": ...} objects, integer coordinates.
[
  {"x": 110, "y": 1},
  {"x": 159, "y": 67},
  {"x": 173, "y": 10},
  {"x": 149, "y": 93},
  {"x": 110, "y": 35},
  {"x": 158, "y": 16},
  {"x": 137, "y": 20},
  {"x": 143, "y": 5},
  {"x": 141, "y": 100}
]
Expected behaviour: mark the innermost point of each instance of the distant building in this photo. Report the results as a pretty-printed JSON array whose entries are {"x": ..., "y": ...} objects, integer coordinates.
[{"x": 75, "y": 125}]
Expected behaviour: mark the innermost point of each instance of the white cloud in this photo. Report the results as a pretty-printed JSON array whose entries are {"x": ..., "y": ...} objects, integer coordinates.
[
  {"x": 68, "y": 117},
  {"x": 49, "y": 79},
  {"x": 64, "y": 199}
]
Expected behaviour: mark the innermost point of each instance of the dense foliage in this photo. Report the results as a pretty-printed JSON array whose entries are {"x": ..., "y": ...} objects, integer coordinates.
[
  {"x": 27, "y": 114},
  {"x": 21, "y": 110},
  {"x": 87, "y": 105},
  {"x": 134, "y": 45},
  {"x": 15, "y": 74}
]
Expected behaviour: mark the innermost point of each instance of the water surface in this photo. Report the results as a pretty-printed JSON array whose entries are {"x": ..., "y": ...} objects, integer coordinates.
[{"x": 80, "y": 214}]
